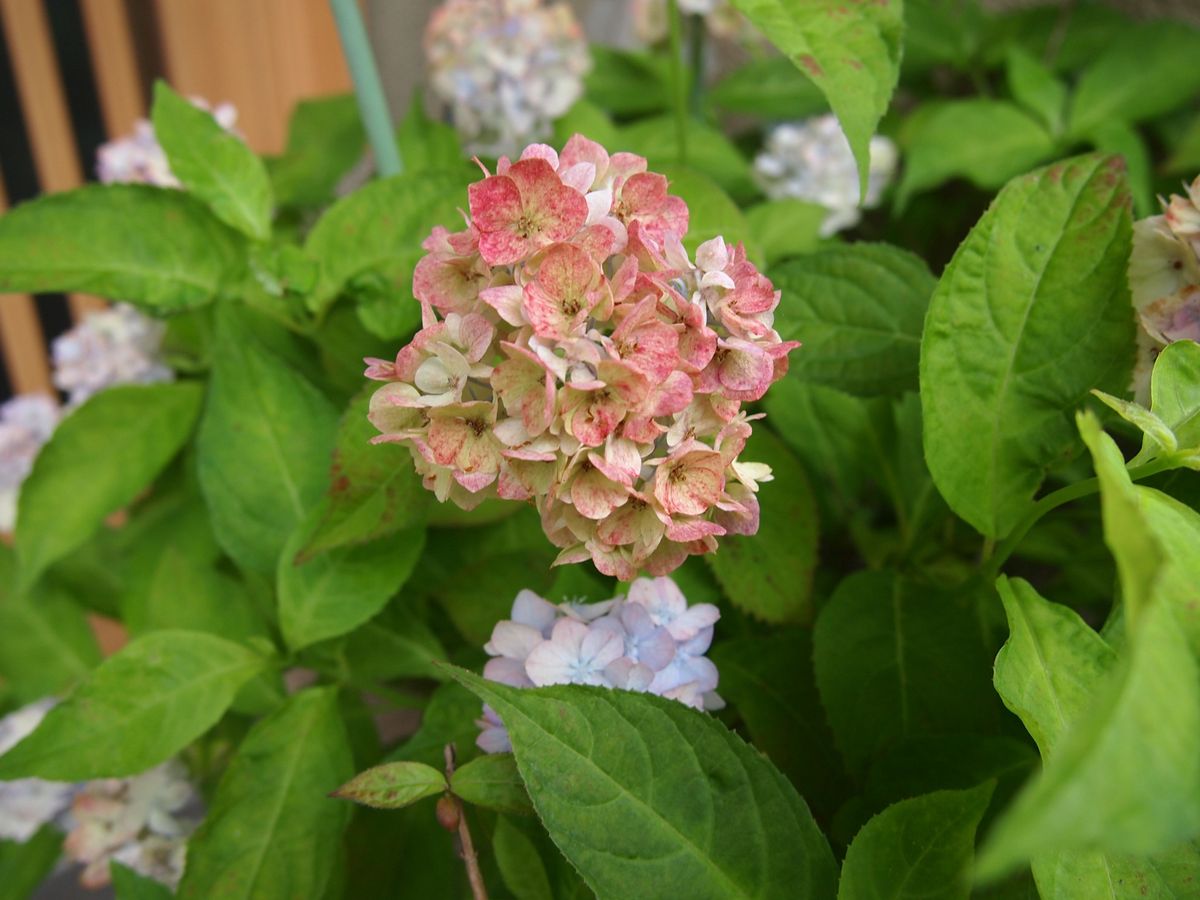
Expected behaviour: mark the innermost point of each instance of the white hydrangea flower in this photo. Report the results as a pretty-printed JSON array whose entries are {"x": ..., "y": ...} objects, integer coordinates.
[
  {"x": 138, "y": 158},
  {"x": 114, "y": 346},
  {"x": 1164, "y": 280},
  {"x": 811, "y": 160},
  {"x": 650, "y": 641},
  {"x": 506, "y": 68},
  {"x": 28, "y": 803},
  {"x": 721, "y": 19},
  {"x": 26, "y": 423},
  {"x": 143, "y": 822}
]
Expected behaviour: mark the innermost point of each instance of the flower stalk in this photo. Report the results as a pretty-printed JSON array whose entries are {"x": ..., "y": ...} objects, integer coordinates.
[{"x": 372, "y": 104}]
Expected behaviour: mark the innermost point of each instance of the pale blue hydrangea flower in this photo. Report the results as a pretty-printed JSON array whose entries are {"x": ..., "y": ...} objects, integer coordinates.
[
  {"x": 113, "y": 346},
  {"x": 650, "y": 641},
  {"x": 26, "y": 423},
  {"x": 28, "y": 803},
  {"x": 812, "y": 161}
]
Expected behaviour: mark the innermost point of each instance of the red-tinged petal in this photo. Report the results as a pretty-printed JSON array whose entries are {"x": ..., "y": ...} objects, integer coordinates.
[
  {"x": 576, "y": 554},
  {"x": 628, "y": 383},
  {"x": 690, "y": 484},
  {"x": 642, "y": 429},
  {"x": 475, "y": 335},
  {"x": 449, "y": 283},
  {"x": 446, "y": 438},
  {"x": 613, "y": 561},
  {"x": 553, "y": 211},
  {"x": 594, "y": 495},
  {"x": 666, "y": 558},
  {"x": 643, "y": 192},
  {"x": 673, "y": 395},
  {"x": 495, "y": 204},
  {"x": 693, "y": 530},
  {"x": 580, "y": 149},
  {"x": 744, "y": 371},
  {"x": 503, "y": 248},
  {"x": 541, "y": 151},
  {"x": 697, "y": 346},
  {"x": 506, "y": 301},
  {"x": 474, "y": 481}
]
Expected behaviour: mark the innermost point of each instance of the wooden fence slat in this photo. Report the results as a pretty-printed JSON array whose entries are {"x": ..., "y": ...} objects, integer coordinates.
[
  {"x": 44, "y": 108},
  {"x": 21, "y": 338},
  {"x": 114, "y": 61}
]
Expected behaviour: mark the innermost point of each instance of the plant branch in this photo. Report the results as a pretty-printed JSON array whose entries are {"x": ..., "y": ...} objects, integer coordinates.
[
  {"x": 466, "y": 846},
  {"x": 678, "y": 82},
  {"x": 1053, "y": 501},
  {"x": 372, "y": 104}
]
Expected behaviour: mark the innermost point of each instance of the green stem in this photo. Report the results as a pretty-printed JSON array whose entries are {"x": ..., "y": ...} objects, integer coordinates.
[
  {"x": 678, "y": 83},
  {"x": 697, "y": 36},
  {"x": 1053, "y": 501},
  {"x": 372, "y": 104}
]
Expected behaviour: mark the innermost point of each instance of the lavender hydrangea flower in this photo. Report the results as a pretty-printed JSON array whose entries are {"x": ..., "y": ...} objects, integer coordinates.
[
  {"x": 650, "y": 641},
  {"x": 811, "y": 160},
  {"x": 28, "y": 803},
  {"x": 114, "y": 346},
  {"x": 26, "y": 423},
  {"x": 506, "y": 68}
]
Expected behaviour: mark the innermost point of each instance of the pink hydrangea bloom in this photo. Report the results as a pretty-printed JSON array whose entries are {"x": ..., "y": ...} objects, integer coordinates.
[
  {"x": 650, "y": 641},
  {"x": 1164, "y": 278},
  {"x": 573, "y": 355}
]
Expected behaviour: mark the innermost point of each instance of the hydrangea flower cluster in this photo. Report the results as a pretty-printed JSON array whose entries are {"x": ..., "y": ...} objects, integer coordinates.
[
  {"x": 28, "y": 803},
  {"x": 1164, "y": 278},
  {"x": 26, "y": 423},
  {"x": 142, "y": 822},
  {"x": 138, "y": 158},
  {"x": 506, "y": 68},
  {"x": 812, "y": 160},
  {"x": 651, "y": 25},
  {"x": 574, "y": 356},
  {"x": 648, "y": 641},
  {"x": 114, "y": 346}
]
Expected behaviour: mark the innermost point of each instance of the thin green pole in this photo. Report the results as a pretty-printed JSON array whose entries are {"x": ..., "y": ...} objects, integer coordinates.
[
  {"x": 372, "y": 105},
  {"x": 678, "y": 82}
]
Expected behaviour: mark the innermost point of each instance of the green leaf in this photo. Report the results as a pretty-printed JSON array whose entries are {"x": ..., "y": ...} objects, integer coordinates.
[
  {"x": 395, "y": 644},
  {"x": 712, "y": 212},
  {"x": 772, "y": 88},
  {"x": 1175, "y": 397},
  {"x": 374, "y": 490},
  {"x": 263, "y": 445},
  {"x": 325, "y": 139},
  {"x": 155, "y": 247},
  {"x": 918, "y": 848},
  {"x": 859, "y": 310},
  {"x": 588, "y": 119},
  {"x": 851, "y": 53},
  {"x": 1036, "y": 88},
  {"x": 985, "y": 141},
  {"x": 129, "y": 885},
  {"x": 1069, "y": 875},
  {"x": 1158, "y": 435},
  {"x": 449, "y": 718},
  {"x": 378, "y": 231},
  {"x": 269, "y": 829},
  {"x": 708, "y": 151},
  {"x": 519, "y": 862},
  {"x": 1185, "y": 154},
  {"x": 1048, "y": 673},
  {"x": 1144, "y": 71},
  {"x": 98, "y": 460},
  {"x": 1048, "y": 670},
  {"x": 336, "y": 591},
  {"x": 638, "y": 790},
  {"x": 626, "y": 83},
  {"x": 140, "y": 707},
  {"x": 23, "y": 867},
  {"x": 1137, "y": 551},
  {"x": 1126, "y": 777},
  {"x": 769, "y": 574},
  {"x": 46, "y": 643},
  {"x": 493, "y": 782},
  {"x": 769, "y": 681},
  {"x": 393, "y": 785},
  {"x": 894, "y": 659},
  {"x": 427, "y": 145},
  {"x": 1031, "y": 314},
  {"x": 213, "y": 164},
  {"x": 785, "y": 228},
  {"x": 1123, "y": 140}
]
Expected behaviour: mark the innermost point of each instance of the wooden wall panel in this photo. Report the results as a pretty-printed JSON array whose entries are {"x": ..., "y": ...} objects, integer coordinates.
[
  {"x": 260, "y": 55},
  {"x": 115, "y": 64}
]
